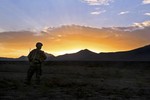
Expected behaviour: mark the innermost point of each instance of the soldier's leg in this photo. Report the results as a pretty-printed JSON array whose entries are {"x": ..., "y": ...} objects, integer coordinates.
[
  {"x": 38, "y": 73},
  {"x": 30, "y": 73}
]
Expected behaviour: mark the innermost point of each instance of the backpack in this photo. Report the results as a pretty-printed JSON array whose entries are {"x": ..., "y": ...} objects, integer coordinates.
[{"x": 36, "y": 56}]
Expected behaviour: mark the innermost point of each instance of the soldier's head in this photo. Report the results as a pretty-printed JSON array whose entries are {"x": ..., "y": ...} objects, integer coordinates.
[{"x": 39, "y": 45}]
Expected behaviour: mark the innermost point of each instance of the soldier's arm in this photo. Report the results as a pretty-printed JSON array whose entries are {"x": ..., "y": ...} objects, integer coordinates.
[
  {"x": 30, "y": 56},
  {"x": 44, "y": 55}
]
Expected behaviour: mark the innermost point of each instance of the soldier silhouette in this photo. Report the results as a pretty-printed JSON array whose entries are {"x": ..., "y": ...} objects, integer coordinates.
[{"x": 35, "y": 57}]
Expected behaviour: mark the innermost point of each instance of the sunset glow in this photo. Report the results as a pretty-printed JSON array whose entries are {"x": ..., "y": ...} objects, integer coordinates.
[{"x": 68, "y": 27}]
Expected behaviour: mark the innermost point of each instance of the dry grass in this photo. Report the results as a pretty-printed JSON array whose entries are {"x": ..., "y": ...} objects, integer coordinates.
[{"x": 86, "y": 81}]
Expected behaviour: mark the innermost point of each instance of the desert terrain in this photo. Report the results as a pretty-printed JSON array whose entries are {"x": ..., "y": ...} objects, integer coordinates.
[{"x": 77, "y": 80}]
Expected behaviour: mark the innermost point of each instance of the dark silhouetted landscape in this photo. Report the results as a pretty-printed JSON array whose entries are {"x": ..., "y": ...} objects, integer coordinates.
[
  {"x": 139, "y": 54},
  {"x": 84, "y": 75}
]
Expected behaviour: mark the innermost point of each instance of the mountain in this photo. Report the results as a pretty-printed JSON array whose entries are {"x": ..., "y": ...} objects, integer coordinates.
[
  {"x": 49, "y": 56},
  {"x": 22, "y": 58},
  {"x": 6, "y": 59},
  {"x": 81, "y": 55},
  {"x": 139, "y": 54}
]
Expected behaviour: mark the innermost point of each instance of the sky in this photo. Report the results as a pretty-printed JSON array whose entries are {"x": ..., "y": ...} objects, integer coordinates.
[{"x": 39, "y": 16}]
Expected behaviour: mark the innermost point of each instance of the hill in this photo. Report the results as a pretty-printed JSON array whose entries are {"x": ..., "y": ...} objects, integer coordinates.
[{"x": 139, "y": 54}]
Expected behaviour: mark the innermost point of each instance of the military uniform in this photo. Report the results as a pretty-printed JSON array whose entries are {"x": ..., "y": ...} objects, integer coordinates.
[{"x": 36, "y": 57}]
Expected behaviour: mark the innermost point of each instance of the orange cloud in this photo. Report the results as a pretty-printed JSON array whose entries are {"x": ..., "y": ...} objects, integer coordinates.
[{"x": 68, "y": 39}]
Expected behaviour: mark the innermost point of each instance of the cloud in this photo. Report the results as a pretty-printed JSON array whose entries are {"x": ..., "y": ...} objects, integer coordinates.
[
  {"x": 98, "y": 12},
  {"x": 124, "y": 12},
  {"x": 1, "y": 46},
  {"x": 146, "y": 1},
  {"x": 2, "y": 30},
  {"x": 147, "y": 14},
  {"x": 98, "y": 2},
  {"x": 142, "y": 25},
  {"x": 125, "y": 29},
  {"x": 45, "y": 29},
  {"x": 134, "y": 27},
  {"x": 69, "y": 37}
]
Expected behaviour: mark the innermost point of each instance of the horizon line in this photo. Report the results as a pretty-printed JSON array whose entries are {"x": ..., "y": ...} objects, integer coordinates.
[{"x": 79, "y": 51}]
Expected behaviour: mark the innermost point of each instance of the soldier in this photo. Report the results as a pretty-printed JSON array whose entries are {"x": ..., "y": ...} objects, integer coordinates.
[{"x": 36, "y": 57}]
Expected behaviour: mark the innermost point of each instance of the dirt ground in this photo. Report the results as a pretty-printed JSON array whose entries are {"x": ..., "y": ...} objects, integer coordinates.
[{"x": 77, "y": 81}]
